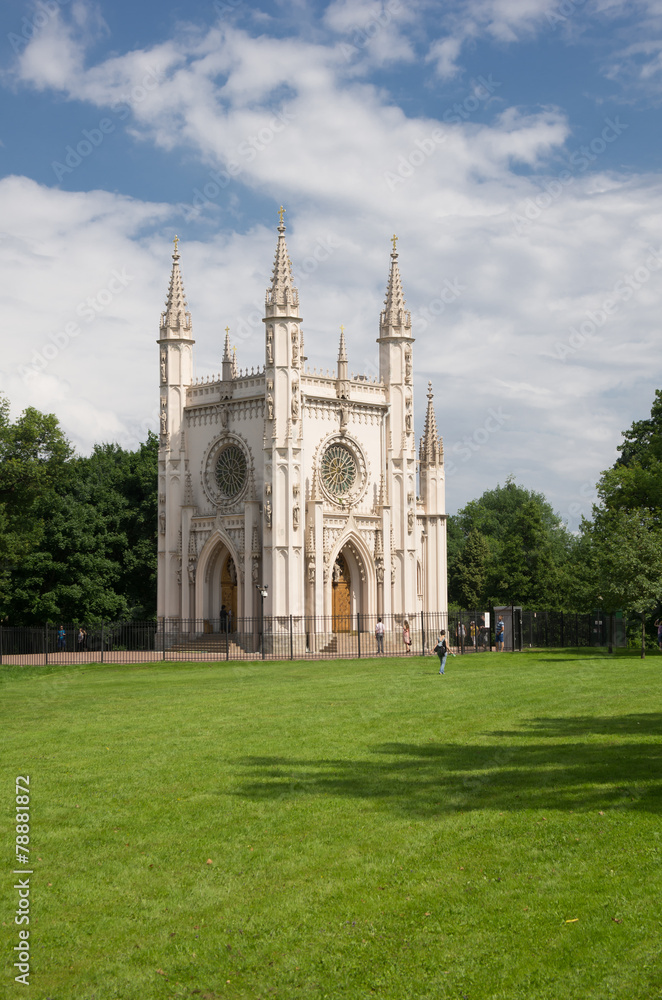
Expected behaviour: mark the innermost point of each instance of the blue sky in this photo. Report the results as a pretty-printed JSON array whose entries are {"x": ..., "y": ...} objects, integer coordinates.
[{"x": 514, "y": 147}]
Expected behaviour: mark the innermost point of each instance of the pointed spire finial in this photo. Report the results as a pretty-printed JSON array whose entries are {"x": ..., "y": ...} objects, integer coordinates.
[
  {"x": 176, "y": 316},
  {"x": 431, "y": 451},
  {"x": 283, "y": 292},
  {"x": 395, "y": 320}
]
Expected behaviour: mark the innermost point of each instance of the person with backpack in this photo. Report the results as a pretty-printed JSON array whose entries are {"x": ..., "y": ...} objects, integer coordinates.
[{"x": 441, "y": 649}]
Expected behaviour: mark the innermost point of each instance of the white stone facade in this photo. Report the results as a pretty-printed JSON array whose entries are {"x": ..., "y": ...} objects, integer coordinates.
[{"x": 303, "y": 482}]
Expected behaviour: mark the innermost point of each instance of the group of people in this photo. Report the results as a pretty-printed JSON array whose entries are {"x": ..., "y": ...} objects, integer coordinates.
[
  {"x": 81, "y": 639},
  {"x": 442, "y": 648}
]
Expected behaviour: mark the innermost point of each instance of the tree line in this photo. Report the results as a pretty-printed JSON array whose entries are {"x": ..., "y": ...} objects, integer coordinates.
[{"x": 78, "y": 534}]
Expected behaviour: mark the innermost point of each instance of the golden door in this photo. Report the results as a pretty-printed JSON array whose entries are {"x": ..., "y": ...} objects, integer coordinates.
[{"x": 342, "y": 604}]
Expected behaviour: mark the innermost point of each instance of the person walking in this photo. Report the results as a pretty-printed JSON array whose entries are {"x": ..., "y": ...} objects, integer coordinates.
[
  {"x": 61, "y": 638},
  {"x": 441, "y": 649},
  {"x": 379, "y": 636},
  {"x": 82, "y": 639},
  {"x": 406, "y": 635}
]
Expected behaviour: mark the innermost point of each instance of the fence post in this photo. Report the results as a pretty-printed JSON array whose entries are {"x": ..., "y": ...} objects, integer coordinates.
[
  {"x": 358, "y": 631},
  {"x": 422, "y": 635},
  {"x": 291, "y": 640},
  {"x": 46, "y": 645},
  {"x": 102, "y": 642},
  {"x": 562, "y": 632},
  {"x": 227, "y": 638},
  {"x": 0, "y": 642},
  {"x": 163, "y": 642}
]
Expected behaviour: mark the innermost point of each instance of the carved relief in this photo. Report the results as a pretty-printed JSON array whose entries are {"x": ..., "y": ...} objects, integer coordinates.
[
  {"x": 295, "y": 401},
  {"x": 162, "y": 523},
  {"x": 408, "y": 417},
  {"x": 295, "y": 347},
  {"x": 164, "y": 416},
  {"x": 295, "y": 516},
  {"x": 410, "y": 521},
  {"x": 408, "y": 365},
  {"x": 164, "y": 367}
]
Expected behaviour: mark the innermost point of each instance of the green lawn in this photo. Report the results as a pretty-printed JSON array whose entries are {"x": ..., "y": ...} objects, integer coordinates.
[{"x": 374, "y": 830}]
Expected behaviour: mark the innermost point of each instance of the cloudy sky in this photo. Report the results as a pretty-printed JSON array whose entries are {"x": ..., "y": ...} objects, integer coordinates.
[{"x": 512, "y": 145}]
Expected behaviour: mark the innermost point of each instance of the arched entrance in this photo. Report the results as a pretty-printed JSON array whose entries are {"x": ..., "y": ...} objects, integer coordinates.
[
  {"x": 342, "y": 595},
  {"x": 229, "y": 592}
]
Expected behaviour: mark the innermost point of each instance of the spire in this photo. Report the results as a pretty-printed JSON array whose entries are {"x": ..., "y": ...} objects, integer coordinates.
[
  {"x": 431, "y": 450},
  {"x": 227, "y": 358},
  {"x": 282, "y": 291},
  {"x": 342, "y": 379},
  {"x": 395, "y": 320},
  {"x": 342, "y": 350},
  {"x": 176, "y": 320}
]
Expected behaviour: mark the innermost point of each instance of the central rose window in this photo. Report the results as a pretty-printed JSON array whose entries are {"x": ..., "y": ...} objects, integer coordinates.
[
  {"x": 339, "y": 472},
  {"x": 231, "y": 471}
]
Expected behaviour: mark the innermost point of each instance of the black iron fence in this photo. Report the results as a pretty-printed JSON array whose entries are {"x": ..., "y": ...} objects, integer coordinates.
[{"x": 298, "y": 637}]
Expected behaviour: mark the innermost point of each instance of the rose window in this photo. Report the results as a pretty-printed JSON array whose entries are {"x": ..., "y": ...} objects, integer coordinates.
[
  {"x": 339, "y": 470},
  {"x": 231, "y": 472}
]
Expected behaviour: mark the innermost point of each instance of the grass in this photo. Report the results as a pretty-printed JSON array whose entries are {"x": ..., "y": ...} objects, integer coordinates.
[{"x": 345, "y": 829}]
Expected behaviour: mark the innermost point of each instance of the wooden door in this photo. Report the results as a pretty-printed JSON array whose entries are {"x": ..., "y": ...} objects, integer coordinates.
[
  {"x": 229, "y": 592},
  {"x": 342, "y": 601}
]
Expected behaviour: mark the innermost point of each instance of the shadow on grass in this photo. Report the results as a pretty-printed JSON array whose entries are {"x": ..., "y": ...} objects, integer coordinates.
[{"x": 513, "y": 772}]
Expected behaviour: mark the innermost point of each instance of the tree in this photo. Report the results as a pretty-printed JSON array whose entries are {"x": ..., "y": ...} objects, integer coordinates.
[
  {"x": 510, "y": 547},
  {"x": 628, "y": 560}
]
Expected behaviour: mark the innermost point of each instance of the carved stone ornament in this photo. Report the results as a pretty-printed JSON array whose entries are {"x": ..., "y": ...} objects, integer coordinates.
[
  {"x": 311, "y": 570},
  {"x": 164, "y": 367},
  {"x": 270, "y": 406},
  {"x": 191, "y": 572},
  {"x": 408, "y": 365},
  {"x": 410, "y": 521},
  {"x": 267, "y": 513},
  {"x": 255, "y": 572},
  {"x": 162, "y": 523},
  {"x": 295, "y": 516}
]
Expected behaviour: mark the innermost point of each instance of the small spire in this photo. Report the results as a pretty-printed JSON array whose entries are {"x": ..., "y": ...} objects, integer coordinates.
[
  {"x": 282, "y": 291},
  {"x": 394, "y": 314},
  {"x": 235, "y": 370},
  {"x": 176, "y": 317},
  {"x": 431, "y": 450},
  {"x": 342, "y": 350}
]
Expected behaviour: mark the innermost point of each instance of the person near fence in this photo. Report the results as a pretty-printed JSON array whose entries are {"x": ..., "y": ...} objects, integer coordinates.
[
  {"x": 61, "y": 638},
  {"x": 406, "y": 635},
  {"x": 658, "y": 622},
  {"x": 472, "y": 633},
  {"x": 500, "y": 630},
  {"x": 379, "y": 635},
  {"x": 461, "y": 633},
  {"x": 224, "y": 619},
  {"x": 82, "y": 640},
  {"x": 441, "y": 649}
]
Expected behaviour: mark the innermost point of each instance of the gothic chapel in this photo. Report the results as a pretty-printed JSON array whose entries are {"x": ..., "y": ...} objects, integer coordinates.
[{"x": 300, "y": 481}]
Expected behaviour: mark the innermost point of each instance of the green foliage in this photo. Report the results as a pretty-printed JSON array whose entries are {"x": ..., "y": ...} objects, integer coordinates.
[
  {"x": 77, "y": 534},
  {"x": 510, "y": 547}
]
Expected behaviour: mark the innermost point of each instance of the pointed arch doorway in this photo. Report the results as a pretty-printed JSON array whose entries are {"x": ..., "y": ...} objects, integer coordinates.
[
  {"x": 229, "y": 592},
  {"x": 341, "y": 595}
]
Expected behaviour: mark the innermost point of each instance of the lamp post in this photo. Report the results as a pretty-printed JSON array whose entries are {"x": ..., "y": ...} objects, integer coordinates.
[{"x": 263, "y": 588}]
